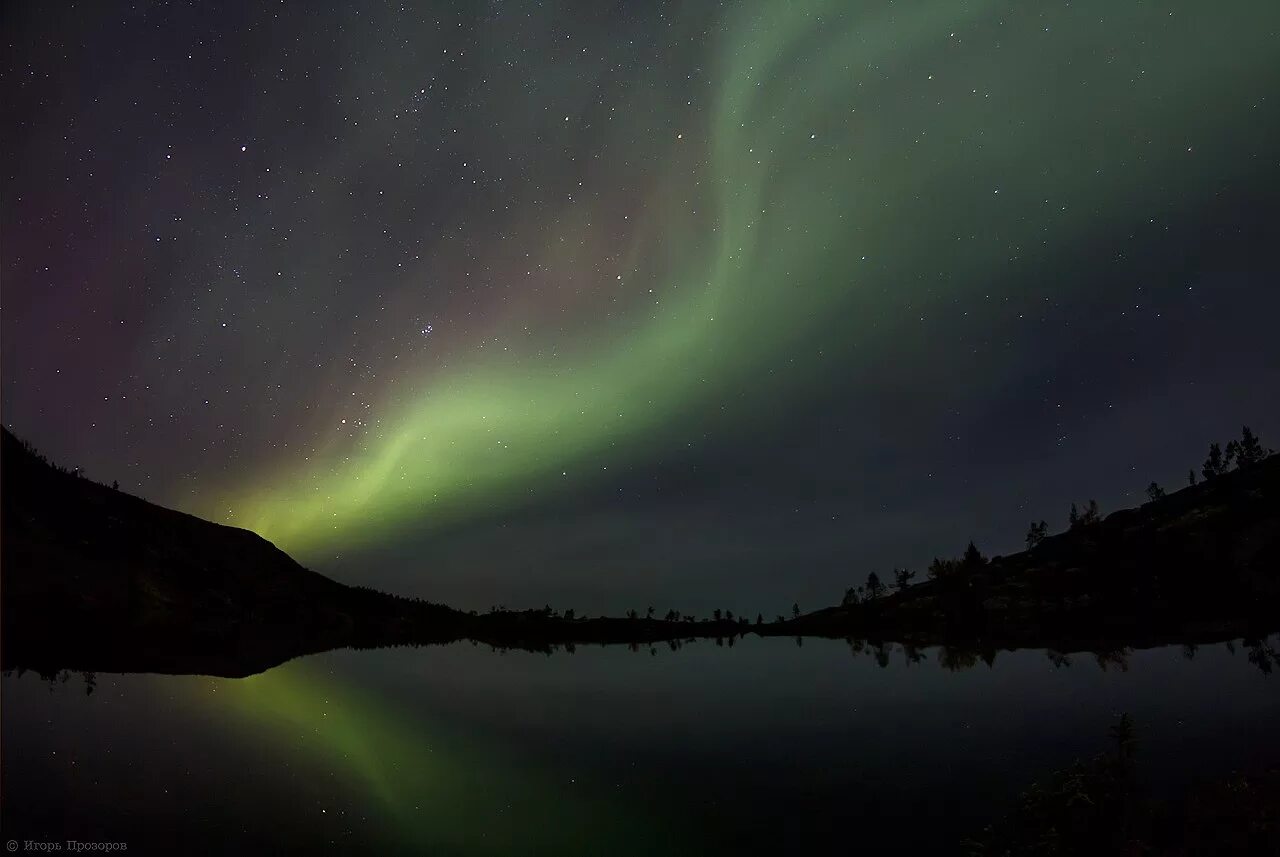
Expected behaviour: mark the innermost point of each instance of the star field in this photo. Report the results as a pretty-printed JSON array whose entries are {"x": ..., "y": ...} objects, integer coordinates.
[{"x": 594, "y": 301}]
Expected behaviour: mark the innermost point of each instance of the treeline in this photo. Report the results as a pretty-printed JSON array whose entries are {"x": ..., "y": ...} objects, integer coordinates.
[
  {"x": 76, "y": 472},
  {"x": 1241, "y": 454},
  {"x": 650, "y": 614},
  {"x": 365, "y": 595}
]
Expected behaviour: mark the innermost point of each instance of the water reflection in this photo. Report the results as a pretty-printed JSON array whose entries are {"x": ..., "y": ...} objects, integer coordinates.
[
  {"x": 761, "y": 747},
  {"x": 1261, "y": 653}
]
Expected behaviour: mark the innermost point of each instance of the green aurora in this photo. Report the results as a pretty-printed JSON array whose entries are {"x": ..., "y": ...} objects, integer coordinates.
[
  {"x": 853, "y": 175},
  {"x": 433, "y": 790},
  {"x": 861, "y": 168}
]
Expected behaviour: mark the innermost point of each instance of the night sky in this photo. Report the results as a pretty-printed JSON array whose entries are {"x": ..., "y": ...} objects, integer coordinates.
[{"x": 616, "y": 304}]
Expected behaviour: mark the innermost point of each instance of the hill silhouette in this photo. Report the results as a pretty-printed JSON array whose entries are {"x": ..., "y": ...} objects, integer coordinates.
[
  {"x": 1201, "y": 563},
  {"x": 91, "y": 569},
  {"x": 95, "y": 579}
]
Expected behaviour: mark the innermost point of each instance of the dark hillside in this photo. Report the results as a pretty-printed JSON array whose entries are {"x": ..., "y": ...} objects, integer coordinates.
[
  {"x": 90, "y": 568},
  {"x": 1202, "y": 561}
]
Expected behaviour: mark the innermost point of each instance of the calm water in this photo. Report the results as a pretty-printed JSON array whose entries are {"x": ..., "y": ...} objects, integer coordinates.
[{"x": 763, "y": 747}]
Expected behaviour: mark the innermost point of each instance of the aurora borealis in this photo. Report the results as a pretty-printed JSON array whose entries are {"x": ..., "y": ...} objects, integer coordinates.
[
  {"x": 599, "y": 301},
  {"x": 665, "y": 304}
]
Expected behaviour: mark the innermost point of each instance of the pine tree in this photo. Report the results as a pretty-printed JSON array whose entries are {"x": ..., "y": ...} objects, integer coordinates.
[
  {"x": 1036, "y": 533},
  {"x": 874, "y": 586},
  {"x": 1213, "y": 466},
  {"x": 1154, "y": 492},
  {"x": 1191, "y": 477},
  {"x": 943, "y": 568},
  {"x": 1249, "y": 451},
  {"x": 1073, "y": 518}
]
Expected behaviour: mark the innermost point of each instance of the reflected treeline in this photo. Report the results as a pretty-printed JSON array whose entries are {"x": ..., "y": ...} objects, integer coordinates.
[
  {"x": 56, "y": 678},
  {"x": 1262, "y": 653},
  {"x": 650, "y": 645}
]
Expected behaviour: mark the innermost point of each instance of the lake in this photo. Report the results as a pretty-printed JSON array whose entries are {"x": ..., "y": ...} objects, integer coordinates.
[{"x": 762, "y": 747}]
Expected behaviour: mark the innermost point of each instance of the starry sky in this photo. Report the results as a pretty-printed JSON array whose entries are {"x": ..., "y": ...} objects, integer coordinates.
[{"x": 613, "y": 304}]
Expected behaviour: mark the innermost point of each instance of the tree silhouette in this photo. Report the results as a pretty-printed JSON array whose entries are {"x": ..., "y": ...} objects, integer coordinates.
[
  {"x": 1262, "y": 655},
  {"x": 973, "y": 558},
  {"x": 1191, "y": 477},
  {"x": 850, "y": 597},
  {"x": 1073, "y": 517},
  {"x": 649, "y": 614},
  {"x": 759, "y": 618},
  {"x": 1249, "y": 450},
  {"x": 1123, "y": 736},
  {"x": 874, "y": 586},
  {"x": 955, "y": 658},
  {"x": 1232, "y": 450},
  {"x": 902, "y": 578},
  {"x": 632, "y": 614},
  {"x": 795, "y": 610},
  {"x": 1154, "y": 492},
  {"x": 1036, "y": 533},
  {"x": 1213, "y": 465},
  {"x": 569, "y": 614},
  {"x": 728, "y": 615},
  {"x": 1086, "y": 518},
  {"x": 940, "y": 569}
]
